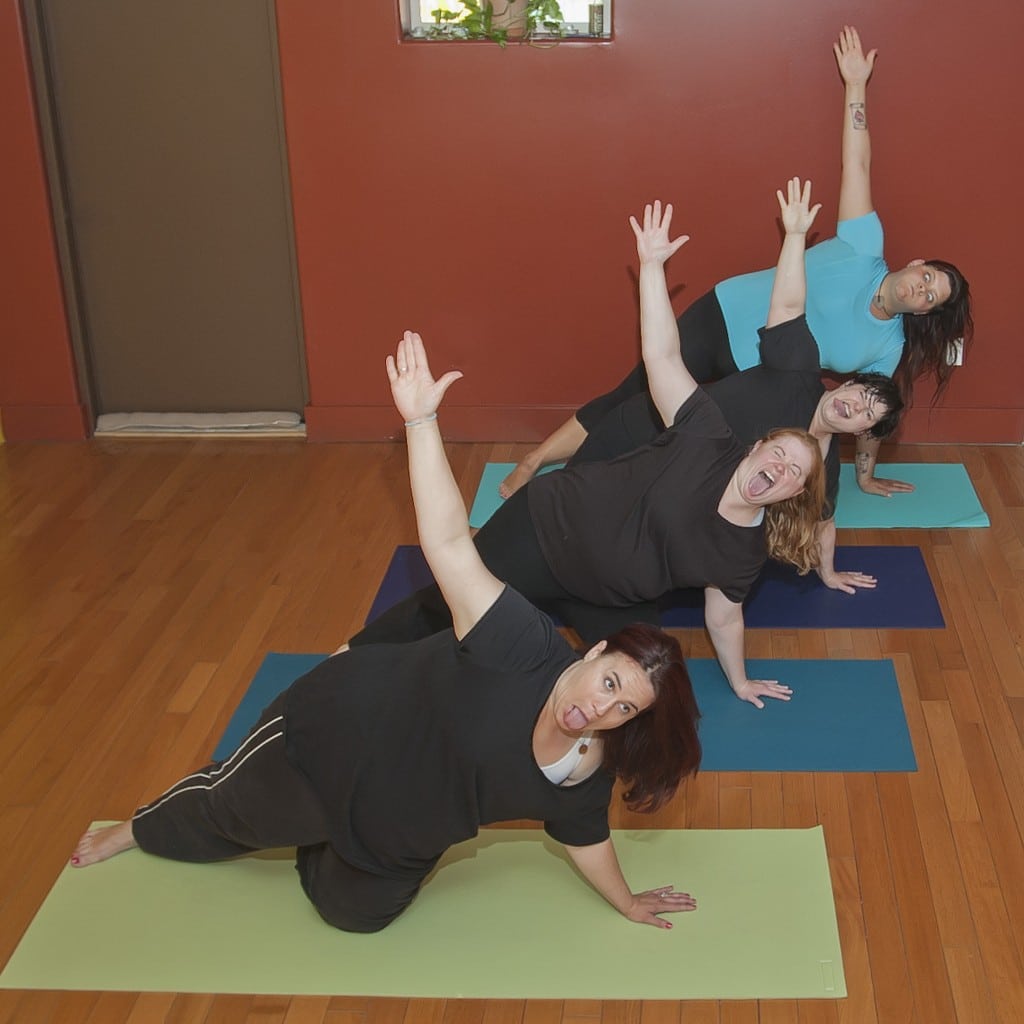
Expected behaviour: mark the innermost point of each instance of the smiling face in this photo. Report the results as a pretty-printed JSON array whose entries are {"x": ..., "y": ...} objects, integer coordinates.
[
  {"x": 851, "y": 408},
  {"x": 916, "y": 289},
  {"x": 603, "y": 691},
  {"x": 775, "y": 470}
]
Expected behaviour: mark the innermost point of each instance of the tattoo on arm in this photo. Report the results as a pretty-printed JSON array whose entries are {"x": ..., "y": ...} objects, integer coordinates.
[
  {"x": 858, "y": 117},
  {"x": 863, "y": 462}
]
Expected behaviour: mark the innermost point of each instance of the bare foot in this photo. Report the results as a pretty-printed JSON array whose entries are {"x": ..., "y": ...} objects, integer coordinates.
[
  {"x": 100, "y": 843},
  {"x": 519, "y": 477}
]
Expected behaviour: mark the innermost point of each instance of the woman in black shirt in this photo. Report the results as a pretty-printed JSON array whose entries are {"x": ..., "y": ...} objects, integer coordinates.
[{"x": 378, "y": 760}]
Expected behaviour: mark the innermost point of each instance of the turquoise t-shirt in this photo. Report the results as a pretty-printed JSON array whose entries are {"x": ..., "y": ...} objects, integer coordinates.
[{"x": 843, "y": 274}]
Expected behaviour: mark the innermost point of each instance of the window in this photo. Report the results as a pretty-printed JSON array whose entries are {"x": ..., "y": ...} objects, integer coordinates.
[{"x": 586, "y": 19}]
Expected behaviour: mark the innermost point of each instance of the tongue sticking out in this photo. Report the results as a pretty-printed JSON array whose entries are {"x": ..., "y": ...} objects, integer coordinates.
[
  {"x": 575, "y": 719},
  {"x": 761, "y": 484}
]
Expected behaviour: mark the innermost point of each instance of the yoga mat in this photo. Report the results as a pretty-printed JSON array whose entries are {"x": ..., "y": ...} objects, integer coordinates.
[
  {"x": 845, "y": 716},
  {"x": 781, "y": 599},
  {"x": 487, "y": 497},
  {"x": 277, "y": 672},
  {"x": 944, "y": 497},
  {"x": 504, "y": 916}
]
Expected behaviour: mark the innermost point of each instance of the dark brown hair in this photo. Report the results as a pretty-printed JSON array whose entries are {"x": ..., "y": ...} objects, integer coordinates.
[{"x": 655, "y": 751}]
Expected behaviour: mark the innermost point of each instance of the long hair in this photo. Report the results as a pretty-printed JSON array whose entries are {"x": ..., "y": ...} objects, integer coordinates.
[
  {"x": 928, "y": 337},
  {"x": 653, "y": 752},
  {"x": 887, "y": 391},
  {"x": 790, "y": 526}
]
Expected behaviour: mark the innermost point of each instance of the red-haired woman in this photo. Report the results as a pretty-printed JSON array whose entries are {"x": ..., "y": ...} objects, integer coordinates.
[{"x": 381, "y": 758}]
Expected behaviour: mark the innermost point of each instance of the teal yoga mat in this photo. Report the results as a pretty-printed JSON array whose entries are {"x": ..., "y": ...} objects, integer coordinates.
[
  {"x": 504, "y": 916},
  {"x": 845, "y": 716},
  {"x": 944, "y": 497}
]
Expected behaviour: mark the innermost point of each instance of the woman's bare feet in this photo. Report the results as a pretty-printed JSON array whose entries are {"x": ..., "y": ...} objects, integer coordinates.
[
  {"x": 519, "y": 477},
  {"x": 100, "y": 843}
]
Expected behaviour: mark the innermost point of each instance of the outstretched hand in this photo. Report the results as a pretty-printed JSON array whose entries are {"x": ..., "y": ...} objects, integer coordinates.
[
  {"x": 854, "y": 65},
  {"x": 652, "y": 243},
  {"x": 665, "y": 900},
  {"x": 795, "y": 207},
  {"x": 416, "y": 393}
]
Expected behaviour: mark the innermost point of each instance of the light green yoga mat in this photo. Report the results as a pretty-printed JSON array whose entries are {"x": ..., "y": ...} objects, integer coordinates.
[{"x": 502, "y": 917}]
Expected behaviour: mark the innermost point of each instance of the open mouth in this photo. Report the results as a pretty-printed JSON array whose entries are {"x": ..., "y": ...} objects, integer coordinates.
[
  {"x": 575, "y": 719},
  {"x": 762, "y": 483},
  {"x": 842, "y": 408}
]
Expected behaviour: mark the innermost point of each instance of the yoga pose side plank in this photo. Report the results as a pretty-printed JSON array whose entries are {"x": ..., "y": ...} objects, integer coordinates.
[
  {"x": 378, "y": 760},
  {"x": 864, "y": 317},
  {"x": 599, "y": 543},
  {"x": 785, "y": 387}
]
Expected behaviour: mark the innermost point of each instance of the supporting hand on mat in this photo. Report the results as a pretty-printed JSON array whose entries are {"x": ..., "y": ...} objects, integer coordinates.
[
  {"x": 848, "y": 582},
  {"x": 663, "y": 900},
  {"x": 754, "y": 689},
  {"x": 599, "y": 865},
  {"x": 417, "y": 395},
  {"x": 883, "y": 488}
]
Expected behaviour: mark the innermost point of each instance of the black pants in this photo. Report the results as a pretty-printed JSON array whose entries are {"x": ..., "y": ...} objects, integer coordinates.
[
  {"x": 256, "y": 800},
  {"x": 704, "y": 346},
  {"x": 508, "y": 545}
]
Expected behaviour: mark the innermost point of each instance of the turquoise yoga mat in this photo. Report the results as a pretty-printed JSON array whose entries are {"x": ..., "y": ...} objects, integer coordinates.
[
  {"x": 944, "y": 497},
  {"x": 504, "y": 916},
  {"x": 845, "y": 716}
]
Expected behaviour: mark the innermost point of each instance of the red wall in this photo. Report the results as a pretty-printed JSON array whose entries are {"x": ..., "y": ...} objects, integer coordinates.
[
  {"x": 480, "y": 196},
  {"x": 38, "y": 393}
]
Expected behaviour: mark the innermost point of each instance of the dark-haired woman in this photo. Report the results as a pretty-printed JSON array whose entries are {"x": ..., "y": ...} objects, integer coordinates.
[
  {"x": 600, "y": 543},
  {"x": 864, "y": 317},
  {"x": 381, "y": 758}
]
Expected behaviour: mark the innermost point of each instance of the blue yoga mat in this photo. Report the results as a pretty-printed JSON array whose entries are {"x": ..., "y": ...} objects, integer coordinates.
[
  {"x": 944, "y": 497},
  {"x": 845, "y": 716},
  {"x": 781, "y": 599}
]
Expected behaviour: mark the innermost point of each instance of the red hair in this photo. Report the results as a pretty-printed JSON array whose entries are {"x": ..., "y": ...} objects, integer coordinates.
[{"x": 655, "y": 751}]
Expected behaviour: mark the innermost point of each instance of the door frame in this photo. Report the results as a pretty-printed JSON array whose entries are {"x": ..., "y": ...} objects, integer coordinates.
[{"x": 34, "y": 23}]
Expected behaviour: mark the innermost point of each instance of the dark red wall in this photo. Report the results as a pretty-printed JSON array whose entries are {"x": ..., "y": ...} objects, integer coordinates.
[
  {"x": 38, "y": 393},
  {"x": 481, "y": 196}
]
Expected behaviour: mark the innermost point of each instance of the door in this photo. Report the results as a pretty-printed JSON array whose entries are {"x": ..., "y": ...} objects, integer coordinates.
[{"x": 167, "y": 143}]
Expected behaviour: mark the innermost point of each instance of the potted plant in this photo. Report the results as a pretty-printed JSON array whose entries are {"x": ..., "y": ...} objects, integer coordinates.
[{"x": 498, "y": 20}]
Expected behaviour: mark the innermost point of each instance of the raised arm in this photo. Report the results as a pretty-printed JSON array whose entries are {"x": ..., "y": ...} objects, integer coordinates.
[
  {"x": 671, "y": 383},
  {"x": 468, "y": 586},
  {"x": 789, "y": 289},
  {"x": 855, "y": 68},
  {"x": 599, "y": 865}
]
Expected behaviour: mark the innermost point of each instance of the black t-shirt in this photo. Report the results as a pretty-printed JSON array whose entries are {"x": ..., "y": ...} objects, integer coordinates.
[
  {"x": 412, "y": 747},
  {"x": 782, "y": 391},
  {"x": 630, "y": 530}
]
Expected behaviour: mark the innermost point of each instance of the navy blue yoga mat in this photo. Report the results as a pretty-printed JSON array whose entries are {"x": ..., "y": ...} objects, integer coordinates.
[
  {"x": 845, "y": 716},
  {"x": 903, "y": 599}
]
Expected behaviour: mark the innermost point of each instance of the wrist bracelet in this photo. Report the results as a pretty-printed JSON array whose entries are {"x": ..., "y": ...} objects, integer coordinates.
[{"x": 422, "y": 419}]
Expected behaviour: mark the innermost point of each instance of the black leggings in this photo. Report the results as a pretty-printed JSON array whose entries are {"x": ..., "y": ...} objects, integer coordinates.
[
  {"x": 256, "y": 800},
  {"x": 704, "y": 344},
  {"x": 508, "y": 545}
]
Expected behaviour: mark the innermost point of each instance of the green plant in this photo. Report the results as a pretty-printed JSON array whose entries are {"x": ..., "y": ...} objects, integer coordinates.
[{"x": 476, "y": 20}]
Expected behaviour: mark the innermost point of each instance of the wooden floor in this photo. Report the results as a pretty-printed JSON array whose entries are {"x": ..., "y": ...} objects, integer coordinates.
[{"x": 142, "y": 582}]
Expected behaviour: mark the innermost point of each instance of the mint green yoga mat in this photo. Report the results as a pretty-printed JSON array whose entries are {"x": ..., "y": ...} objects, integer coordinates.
[
  {"x": 944, "y": 497},
  {"x": 504, "y": 916}
]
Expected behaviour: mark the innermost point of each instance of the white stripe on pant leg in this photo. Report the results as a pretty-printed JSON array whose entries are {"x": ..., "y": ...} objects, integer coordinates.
[{"x": 210, "y": 782}]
